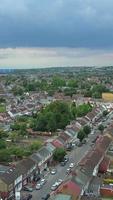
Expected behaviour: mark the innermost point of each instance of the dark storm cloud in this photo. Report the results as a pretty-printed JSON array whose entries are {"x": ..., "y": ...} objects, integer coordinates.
[{"x": 58, "y": 23}]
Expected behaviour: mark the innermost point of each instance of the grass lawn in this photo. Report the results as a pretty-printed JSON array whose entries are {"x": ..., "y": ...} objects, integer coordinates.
[
  {"x": 2, "y": 109},
  {"x": 107, "y": 198}
]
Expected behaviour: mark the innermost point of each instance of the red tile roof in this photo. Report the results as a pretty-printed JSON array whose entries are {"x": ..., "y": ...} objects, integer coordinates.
[
  {"x": 70, "y": 188},
  {"x": 57, "y": 143},
  {"x": 104, "y": 165}
]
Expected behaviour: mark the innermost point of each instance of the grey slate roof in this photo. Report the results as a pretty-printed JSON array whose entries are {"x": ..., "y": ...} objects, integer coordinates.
[
  {"x": 44, "y": 152},
  {"x": 36, "y": 157},
  {"x": 10, "y": 176},
  {"x": 14, "y": 172}
]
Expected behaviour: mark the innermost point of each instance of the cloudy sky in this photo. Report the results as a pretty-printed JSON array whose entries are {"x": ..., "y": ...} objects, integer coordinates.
[{"x": 38, "y": 33}]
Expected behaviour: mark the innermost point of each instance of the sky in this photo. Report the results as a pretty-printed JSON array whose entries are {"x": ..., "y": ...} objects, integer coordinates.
[{"x": 37, "y": 33}]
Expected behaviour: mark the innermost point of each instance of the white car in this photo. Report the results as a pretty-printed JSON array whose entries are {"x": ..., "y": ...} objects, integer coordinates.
[
  {"x": 92, "y": 132},
  {"x": 68, "y": 170},
  {"x": 42, "y": 181},
  {"x": 71, "y": 165},
  {"x": 53, "y": 171},
  {"x": 38, "y": 186},
  {"x": 59, "y": 181},
  {"x": 54, "y": 186}
]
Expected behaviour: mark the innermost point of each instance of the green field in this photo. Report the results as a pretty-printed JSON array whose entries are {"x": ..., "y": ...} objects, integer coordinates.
[{"x": 2, "y": 109}]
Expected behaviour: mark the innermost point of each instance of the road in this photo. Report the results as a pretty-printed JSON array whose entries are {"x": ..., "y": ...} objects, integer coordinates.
[{"x": 74, "y": 156}]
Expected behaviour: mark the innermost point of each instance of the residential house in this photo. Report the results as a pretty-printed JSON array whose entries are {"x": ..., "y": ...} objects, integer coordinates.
[
  {"x": 57, "y": 143},
  {"x": 69, "y": 188},
  {"x": 83, "y": 121},
  {"x": 94, "y": 115},
  {"x": 12, "y": 179},
  {"x": 38, "y": 160},
  {"x": 106, "y": 190},
  {"x": 42, "y": 158},
  {"x": 28, "y": 170},
  {"x": 72, "y": 130},
  {"x": 63, "y": 138},
  {"x": 50, "y": 147}
]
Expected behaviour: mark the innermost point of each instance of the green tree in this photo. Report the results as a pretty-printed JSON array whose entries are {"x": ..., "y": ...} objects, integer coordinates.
[
  {"x": 3, "y": 134},
  {"x": 97, "y": 90},
  {"x": 35, "y": 146},
  {"x": 18, "y": 152},
  {"x": 51, "y": 124},
  {"x": 58, "y": 82},
  {"x": 2, "y": 100},
  {"x": 87, "y": 129},
  {"x": 72, "y": 83},
  {"x": 17, "y": 90},
  {"x": 2, "y": 144},
  {"x": 101, "y": 128},
  {"x": 83, "y": 109},
  {"x": 54, "y": 116},
  {"x": 81, "y": 135},
  {"x": 14, "y": 136},
  {"x": 69, "y": 91},
  {"x": 5, "y": 155},
  {"x": 59, "y": 154},
  {"x": 74, "y": 109},
  {"x": 20, "y": 127},
  {"x": 41, "y": 123}
]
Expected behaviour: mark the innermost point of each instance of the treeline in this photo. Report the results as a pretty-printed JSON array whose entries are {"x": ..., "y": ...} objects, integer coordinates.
[
  {"x": 58, "y": 114},
  {"x": 67, "y": 85}
]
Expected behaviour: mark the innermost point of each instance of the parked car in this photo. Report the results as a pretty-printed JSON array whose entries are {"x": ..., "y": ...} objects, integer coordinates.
[
  {"x": 71, "y": 165},
  {"x": 59, "y": 181},
  {"x": 63, "y": 163},
  {"x": 53, "y": 171},
  {"x": 38, "y": 186},
  {"x": 66, "y": 158},
  {"x": 54, "y": 186},
  {"x": 27, "y": 188},
  {"x": 68, "y": 170},
  {"x": 46, "y": 197},
  {"x": 69, "y": 147},
  {"x": 37, "y": 178},
  {"x": 43, "y": 181}
]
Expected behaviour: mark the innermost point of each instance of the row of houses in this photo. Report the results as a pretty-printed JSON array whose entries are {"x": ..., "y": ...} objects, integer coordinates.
[
  {"x": 13, "y": 178},
  {"x": 84, "y": 182},
  {"x": 93, "y": 177}
]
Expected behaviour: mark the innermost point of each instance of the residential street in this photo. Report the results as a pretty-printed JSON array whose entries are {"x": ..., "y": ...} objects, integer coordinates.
[{"x": 75, "y": 156}]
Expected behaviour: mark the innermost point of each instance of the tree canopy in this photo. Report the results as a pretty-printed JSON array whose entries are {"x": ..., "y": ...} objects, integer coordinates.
[
  {"x": 59, "y": 154},
  {"x": 81, "y": 135},
  {"x": 57, "y": 115}
]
